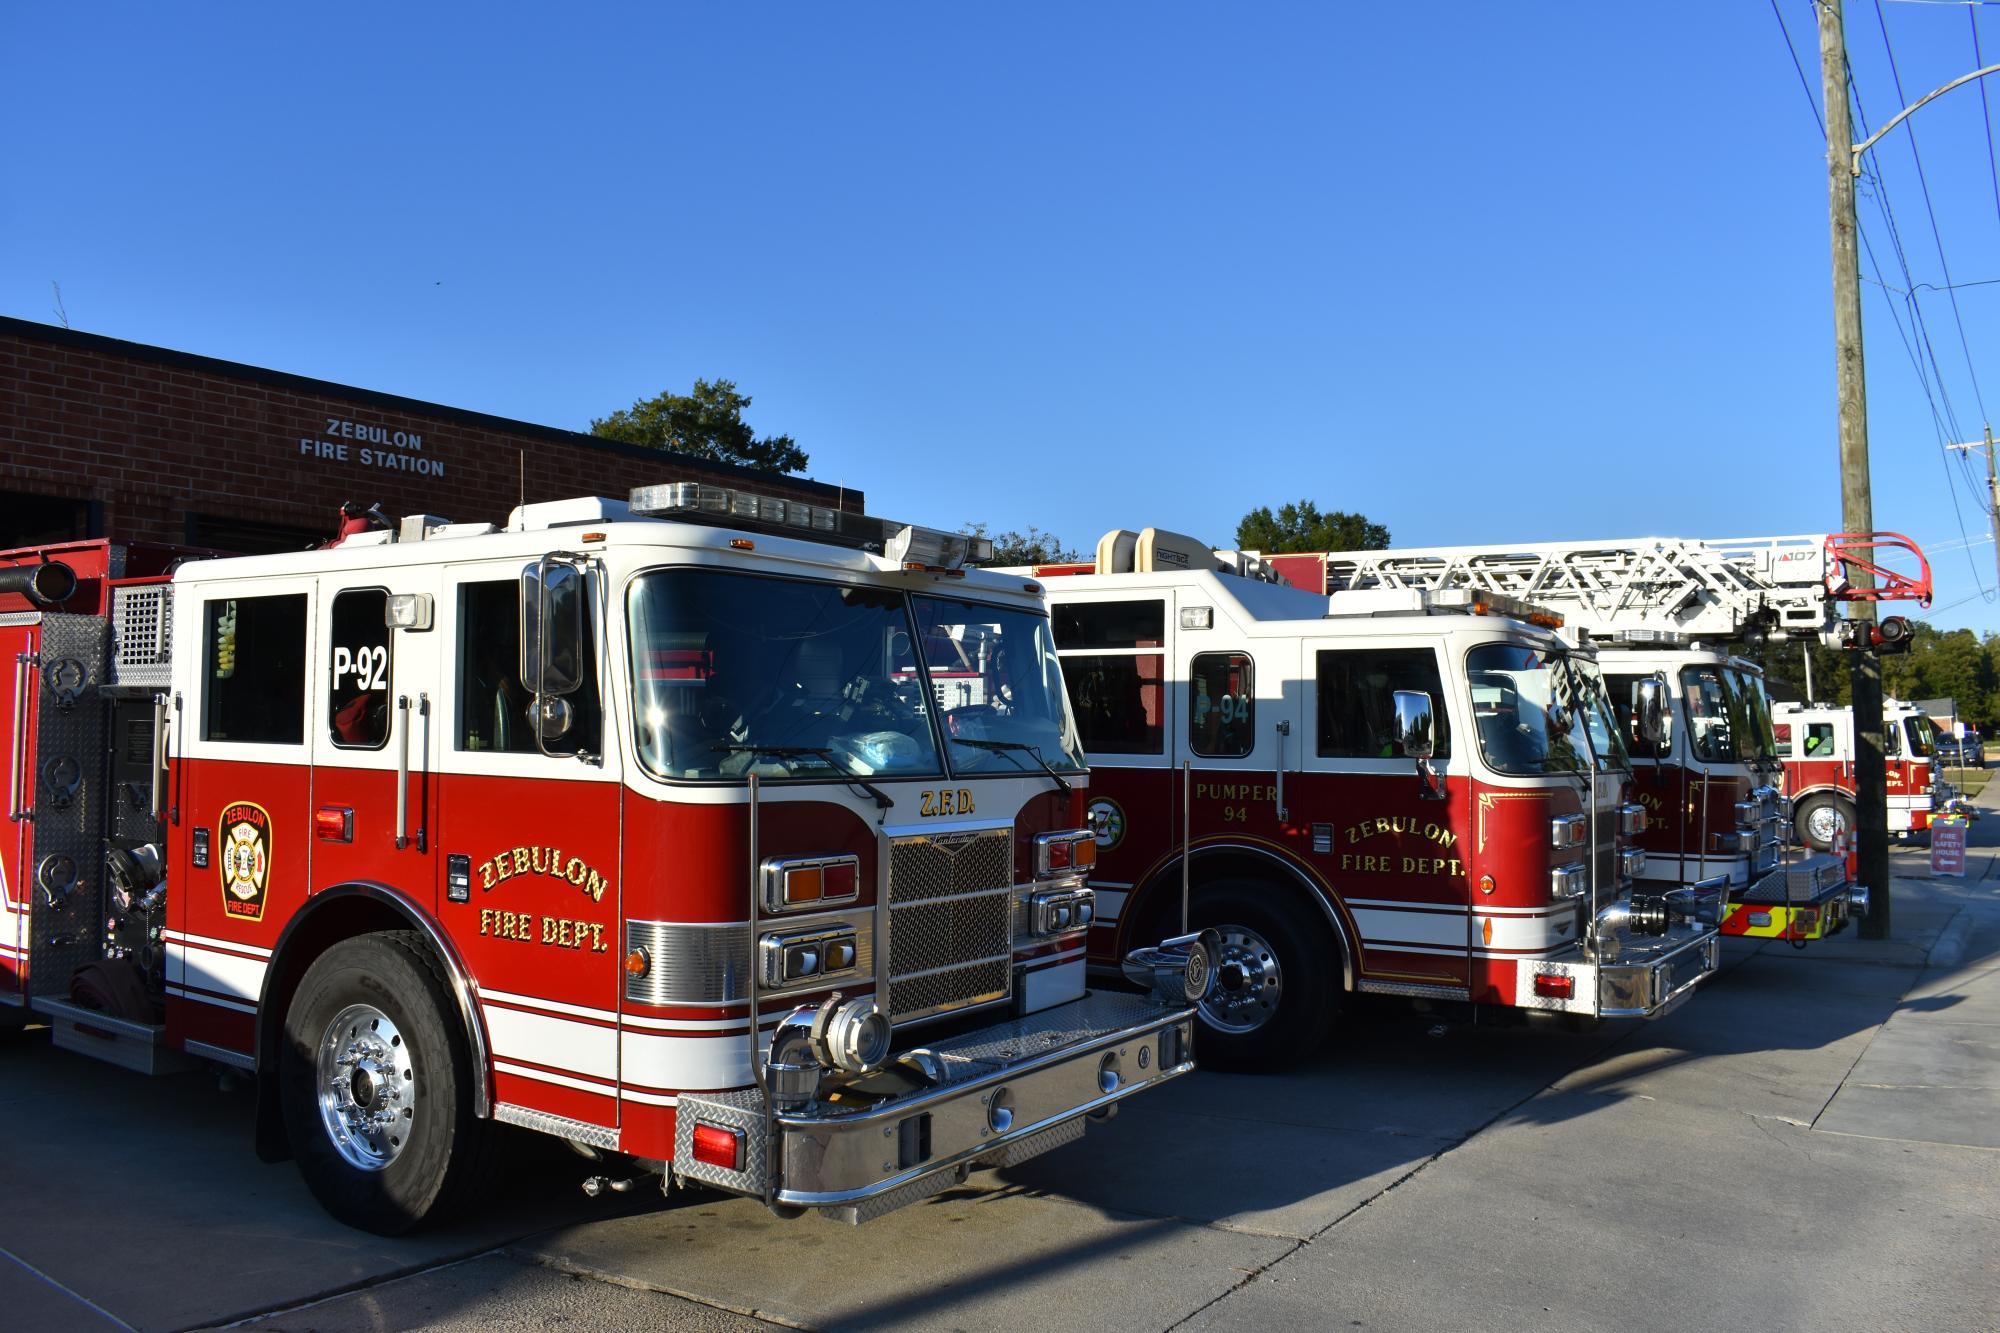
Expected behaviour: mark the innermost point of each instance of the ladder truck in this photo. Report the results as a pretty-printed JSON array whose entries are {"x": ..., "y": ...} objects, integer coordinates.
[
  {"x": 1666, "y": 609},
  {"x": 733, "y": 840},
  {"x": 1402, "y": 793}
]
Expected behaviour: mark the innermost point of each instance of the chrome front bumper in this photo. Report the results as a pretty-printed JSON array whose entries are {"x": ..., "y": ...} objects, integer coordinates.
[
  {"x": 1004, "y": 1094},
  {"x": 1633, "y": 976}
]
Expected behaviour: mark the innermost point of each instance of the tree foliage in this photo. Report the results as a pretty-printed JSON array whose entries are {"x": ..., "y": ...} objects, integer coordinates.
[
  {"x": 1033, "y": 547},
  {"x": 1302, "y": 527},
  {"x": 707, "y": 423},
  {"x": 1941, "y": 664}
]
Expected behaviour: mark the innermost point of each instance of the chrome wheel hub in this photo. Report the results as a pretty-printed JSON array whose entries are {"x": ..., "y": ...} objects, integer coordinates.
[
  {"x": 1248, "y": 982},
  {"x": 367, "y": 1087},
  {"x": 1824, "y": 824}
]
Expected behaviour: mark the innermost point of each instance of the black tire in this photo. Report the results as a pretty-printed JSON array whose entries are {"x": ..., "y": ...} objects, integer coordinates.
[
  {"x": 442, "y": 1149},
  {"x": 1240, "y": 1027},
  {"x": 1827, "y": 811}
]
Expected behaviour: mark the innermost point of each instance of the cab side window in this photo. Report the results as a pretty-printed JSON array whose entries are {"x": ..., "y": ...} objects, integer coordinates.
[
  {"x": 1819, "y": 740},
  {"x": 1222, "y": 705},
  {"x": 357, "y": 704},
  {"x": 254, "y": 670},
  {"x": 1115, "y": 672},
  {"x": 1357, "y": 700},
  {"x": 494, "y": 707}
]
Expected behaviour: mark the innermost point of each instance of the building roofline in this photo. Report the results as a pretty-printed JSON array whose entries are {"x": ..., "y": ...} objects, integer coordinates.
[{"x": 167, "y": 356}]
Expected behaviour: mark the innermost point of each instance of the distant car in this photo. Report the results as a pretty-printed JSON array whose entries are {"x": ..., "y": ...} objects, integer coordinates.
[{"x": 1949, "y": 752}]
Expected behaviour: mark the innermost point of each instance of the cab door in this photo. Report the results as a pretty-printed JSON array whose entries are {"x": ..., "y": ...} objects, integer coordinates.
[
  {"x": 1114, "y": 652},
  {"x": 1396, "y": 852},
  {"x": 529, "y": 829},
  {"x": 374, "y": 733}
]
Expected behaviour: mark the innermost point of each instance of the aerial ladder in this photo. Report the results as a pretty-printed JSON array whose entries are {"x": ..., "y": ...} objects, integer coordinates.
[{"x": 1673, "y": 606}]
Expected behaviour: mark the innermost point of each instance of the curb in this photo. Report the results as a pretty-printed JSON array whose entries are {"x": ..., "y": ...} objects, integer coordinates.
[{"x": 1950, "y": 945}]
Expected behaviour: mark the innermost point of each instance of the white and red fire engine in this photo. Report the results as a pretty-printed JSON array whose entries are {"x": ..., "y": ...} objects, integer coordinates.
[
  {"x": 1666, "y": 609},
  {"x": 449, "y": 825},
  {"x": 1816, "y": 743},
  {"x": 1402, "y": 792}
]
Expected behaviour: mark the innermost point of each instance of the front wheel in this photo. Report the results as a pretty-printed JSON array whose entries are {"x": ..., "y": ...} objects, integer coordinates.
[
  {"x": 1274, "y": 995},
  {"x": 1821, "y": 819},
  {"x": 374, "y": 1079}
]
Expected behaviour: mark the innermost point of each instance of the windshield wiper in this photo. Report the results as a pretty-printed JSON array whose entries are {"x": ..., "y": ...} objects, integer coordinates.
[
  {"x": 819, "y": 752},
  {"x": 1032, "y": 752}
]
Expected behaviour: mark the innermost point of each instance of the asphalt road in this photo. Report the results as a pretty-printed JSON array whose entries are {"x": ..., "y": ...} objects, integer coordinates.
[{"x": 1812, "y": 1142}]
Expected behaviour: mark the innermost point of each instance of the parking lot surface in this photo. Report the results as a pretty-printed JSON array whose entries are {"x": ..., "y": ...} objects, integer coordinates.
[{"x": 1809, "y": 1143}]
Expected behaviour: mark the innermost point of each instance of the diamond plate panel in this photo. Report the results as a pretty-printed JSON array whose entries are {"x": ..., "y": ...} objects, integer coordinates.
[
  {"x": 742, "y": 1111},
  {"x": 64, "y": 936},
  {"x": 141, "y": 636}
]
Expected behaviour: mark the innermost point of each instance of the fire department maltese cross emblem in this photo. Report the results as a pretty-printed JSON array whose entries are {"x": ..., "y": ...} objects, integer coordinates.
[{"x": 245, "y": 860}]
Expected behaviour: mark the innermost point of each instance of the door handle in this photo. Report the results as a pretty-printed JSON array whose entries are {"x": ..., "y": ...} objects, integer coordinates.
[{"x": 1278, "y": 791}]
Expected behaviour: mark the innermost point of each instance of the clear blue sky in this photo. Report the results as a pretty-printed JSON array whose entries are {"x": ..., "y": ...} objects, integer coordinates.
[{"x": 1482, "y": 271}]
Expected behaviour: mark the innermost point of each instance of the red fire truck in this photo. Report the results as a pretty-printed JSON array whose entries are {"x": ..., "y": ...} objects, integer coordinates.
[
  {"x": 449, "y": 825},
  {"x": 1399, "y": 792},
  {"x": 1816, "y": 742},
  {"x": 1665, "y": 610}
]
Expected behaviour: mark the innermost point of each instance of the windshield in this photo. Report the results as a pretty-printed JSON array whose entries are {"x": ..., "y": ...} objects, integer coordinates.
[
  {"x": 1921, "y": 733},
  {"x": 738, "y": 673},
  {"x": 1728, "y": 720},
  {"x": 998, "y": 687},
  {"x": 1758, "y": 739},
  {"x": 1532, "y": 706}
]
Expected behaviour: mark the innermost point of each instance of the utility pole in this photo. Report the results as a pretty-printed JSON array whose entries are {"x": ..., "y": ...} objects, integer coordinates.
[
  {"x": 1857, "y": 509},
  {"x": 1992, "y": 488}
]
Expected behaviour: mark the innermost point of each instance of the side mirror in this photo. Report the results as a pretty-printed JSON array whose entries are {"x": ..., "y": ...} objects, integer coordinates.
[
  {"x": 1652, "y": 709},
  {"x": 1413, "y": 723},
  {"x": 552, "y": 628}
]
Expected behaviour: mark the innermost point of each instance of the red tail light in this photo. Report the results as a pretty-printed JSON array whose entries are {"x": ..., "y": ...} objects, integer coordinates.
[
  {"x": 715, "y": 1146},
  {"x": 1059, "y": 855},
  {"x": 334, "y": 823},
  {"x": 1548, "y": 986},
  {"x": 843, "y": 879}
]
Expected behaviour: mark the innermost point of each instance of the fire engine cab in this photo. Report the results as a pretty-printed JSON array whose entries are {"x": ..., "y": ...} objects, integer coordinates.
[
  {"x": 737, "y": 838},
  {"x": 1661, "y": 612},
  {"x": 1395, "y": 792},
  {"x": 1816, "y": 743}
]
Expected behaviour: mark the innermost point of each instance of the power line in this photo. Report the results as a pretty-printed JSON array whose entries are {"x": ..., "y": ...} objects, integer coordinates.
[
  {"x": 1985, "y": 111},
  {"x": 1910, "y": 128},
  {"x": 1938, "y": 417}
]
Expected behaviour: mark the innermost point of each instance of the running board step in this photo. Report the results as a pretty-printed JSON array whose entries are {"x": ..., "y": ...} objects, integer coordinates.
[{"x": 141, "y": 1047}]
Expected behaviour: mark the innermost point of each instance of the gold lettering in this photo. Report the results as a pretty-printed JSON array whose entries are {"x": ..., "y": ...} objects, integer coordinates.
[
  {"x": 964, "y": 801},
  {"x": 520, "y": 855},
  {"x": 485, "y": 875},
  {"x": 485, "y": 920},
  {"x": 597, "y": 944},
  {"x": 576, "y": 871},
  {"x": 501, "y": 864},
  {"x": 596, "y": 887}
]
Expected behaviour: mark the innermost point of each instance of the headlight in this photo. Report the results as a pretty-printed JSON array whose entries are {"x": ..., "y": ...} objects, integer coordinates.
[
  {"x": 793, "y": 957},
  {"x": 1568, "y": 831},
  {"x": 1571, "y": 881},
  {"x": 1747, "y": 813},
  {"x": 1632, "y": 863},
  {"x": 1632, "y": 820},
  {"x": 1053, "y": 913}
]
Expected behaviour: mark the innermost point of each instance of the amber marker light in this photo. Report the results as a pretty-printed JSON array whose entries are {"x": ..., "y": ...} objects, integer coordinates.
[
  {"x": 1084, "y": 854},
  {"x": 805, "y": 886},
  {"x": 1486, "y": 931},
  {"x": 742, "y": 544},
  {"x": 1487, "y": 884},
  {"x": 637, "y": 963}
]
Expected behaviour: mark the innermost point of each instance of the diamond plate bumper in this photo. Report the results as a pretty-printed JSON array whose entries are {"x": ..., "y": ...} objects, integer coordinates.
[
  {"x": 1633, "y": 976},
  {"x": 1007, "y": 1092}
]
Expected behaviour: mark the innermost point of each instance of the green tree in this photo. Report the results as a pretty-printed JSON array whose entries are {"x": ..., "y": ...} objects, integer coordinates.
[
  {"x": 1302, "y": 527},
  {"x": 1033, "y": 547},
  {"x": 707, "y": 423}
]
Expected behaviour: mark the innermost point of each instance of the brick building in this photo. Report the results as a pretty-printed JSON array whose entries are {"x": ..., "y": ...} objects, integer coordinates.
[{"x": 100, "y": 437}]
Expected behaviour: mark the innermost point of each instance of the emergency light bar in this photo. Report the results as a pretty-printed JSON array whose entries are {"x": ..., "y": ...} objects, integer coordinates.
[
  {"x": 906, "y": 544},
  {"x": 1494, "y": 604}
]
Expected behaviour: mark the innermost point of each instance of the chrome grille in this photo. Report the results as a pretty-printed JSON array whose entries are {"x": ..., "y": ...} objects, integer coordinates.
[{"x": 951, "y": 917}]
